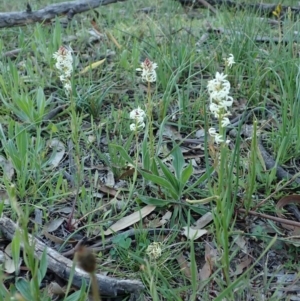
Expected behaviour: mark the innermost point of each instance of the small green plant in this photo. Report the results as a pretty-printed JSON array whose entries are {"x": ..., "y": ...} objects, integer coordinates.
[{"x": 172, "y": 185}]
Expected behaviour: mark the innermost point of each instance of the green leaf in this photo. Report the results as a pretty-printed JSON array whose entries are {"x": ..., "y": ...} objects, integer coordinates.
[
  {"x": 186, "y": 173},
  {"x": 123, "y": 153},
  {"x": 153, "y": 201},
  {"x": 198, "y": 209},
  {"x": 168, "y": 174},
  {"x": 145, "y": 154},
  {"x": 1, "y": 207},
  {"x": 74, "y": 297},
  {"x": 41, "y": 104},
  {"x": 154, "y": 168},
  {"x": 24, "y": 288},
  {"x": 161, "y": 182},
  {"x": 43, "y": 266},
  {"x": 203, "y": 178},
  {"x": 15, "y": 250},
  {"x": 178, "y": 161}
]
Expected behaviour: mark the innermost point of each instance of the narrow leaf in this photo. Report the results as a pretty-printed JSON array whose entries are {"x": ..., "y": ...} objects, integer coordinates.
[
  {"x": 129, "y": 220},
  {"x": 178, "y": 162},
  {"x": 161, "y": 182},
  {"x": 92, "y": 66},
  {"x": 186, "y": 174}
]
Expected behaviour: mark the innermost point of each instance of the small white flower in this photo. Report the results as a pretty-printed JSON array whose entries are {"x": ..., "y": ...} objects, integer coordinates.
[
  {"x": 148, "y": 71},
  {"x": 219, "y": 139},
  {"x": 230, "y": 60},
  {"x": 136, "y": 127},
  {"x": 226, "y": 103},
  {"x": 225, "y": 121},
  {"x": 154, "y": 250},
  {"x": 68, "y": 86},
  {"x": 218, "y": 87},
  {"x": 221, "y": 77},
  {"x": 212, "y": 132},
  {"x": 133, "y": 127},
  {"x": 215, "y": 109},
  {"x": 137, "y": 114}
]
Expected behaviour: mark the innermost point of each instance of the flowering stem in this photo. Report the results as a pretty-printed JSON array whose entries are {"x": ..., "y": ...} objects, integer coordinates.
[
  {"x": 136, "y": 164},
  {"x": 149, "y": 113},
  {"x": 75, "y": 138}
]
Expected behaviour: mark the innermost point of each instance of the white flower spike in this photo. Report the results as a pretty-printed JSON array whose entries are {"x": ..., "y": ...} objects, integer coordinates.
[
  {"x": 220, "y": 103},
  {"x": 138, "y": 115},
  {"x": 148, "y": 71},
  {"x": 64, "y": 64},
  {"x": 230, "y": 60}
]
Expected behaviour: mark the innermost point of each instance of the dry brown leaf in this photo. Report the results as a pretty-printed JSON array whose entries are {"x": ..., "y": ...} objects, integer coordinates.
[
  {"x": 55, "y": 289},
  {"x": 158, "y": 222},
  {"x": 110, "y": 179},
  {"x": 204, "y": 220},
  {"x": 110, "y": 191},
  {"x": 54, "y": 238},
  {"x": 241, "y": 242},
  {"x": 210, "y": 260},
  {"x": 9, "y": 264},
  {"x": 242, "y": 265},
  {"x": 58, "y": 152},
  {"x": 171, "y": 132},
  {"x": 54, "y": 224},
  {"x": 65, "y": 210},
  {"x": 165, "y": 218},
  {"x": 4, "y": 197},
  {"x": 211, "y": 255},
  {"x": 205, "y": 272},
  {"x": 285, "y": 201},
  {"x": 7, "y": 167},
  {"x": 129, "y": 220},
  {"x": 38, "y": 216},
  {"x": 127, "y": 173},
  {"x": 184, "y": 266}
]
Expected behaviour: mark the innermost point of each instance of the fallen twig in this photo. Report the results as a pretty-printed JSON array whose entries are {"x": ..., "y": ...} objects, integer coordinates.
[
  {"x": 270, "y": 217},
  {"x": 62, "y": 266},
  {"x": 49, "y": 12},
  {"x": 261, "y": 8}
]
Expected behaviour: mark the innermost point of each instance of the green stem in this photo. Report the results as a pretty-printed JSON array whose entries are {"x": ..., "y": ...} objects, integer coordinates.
[
  {"x": 136, "y": 164},
  {"x": 222, "y": 210},
  {"x": 150, "y": 118}
]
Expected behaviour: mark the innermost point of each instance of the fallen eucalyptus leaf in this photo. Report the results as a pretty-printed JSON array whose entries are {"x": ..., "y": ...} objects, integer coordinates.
[
  {"x": 193, "y": 234},
  {"x": 129, "y": 220}
]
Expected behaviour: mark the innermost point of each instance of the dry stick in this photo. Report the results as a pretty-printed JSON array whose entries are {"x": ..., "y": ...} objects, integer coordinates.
[
  {"x": 297, "y": 175},
  {"x": 49, "y": 12},
  {"x": 62, "y": 266},
  {"x": 261, "y": 8},
  {"x": 207, "y": 5},
  {"x": 274, "y": 218}
]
